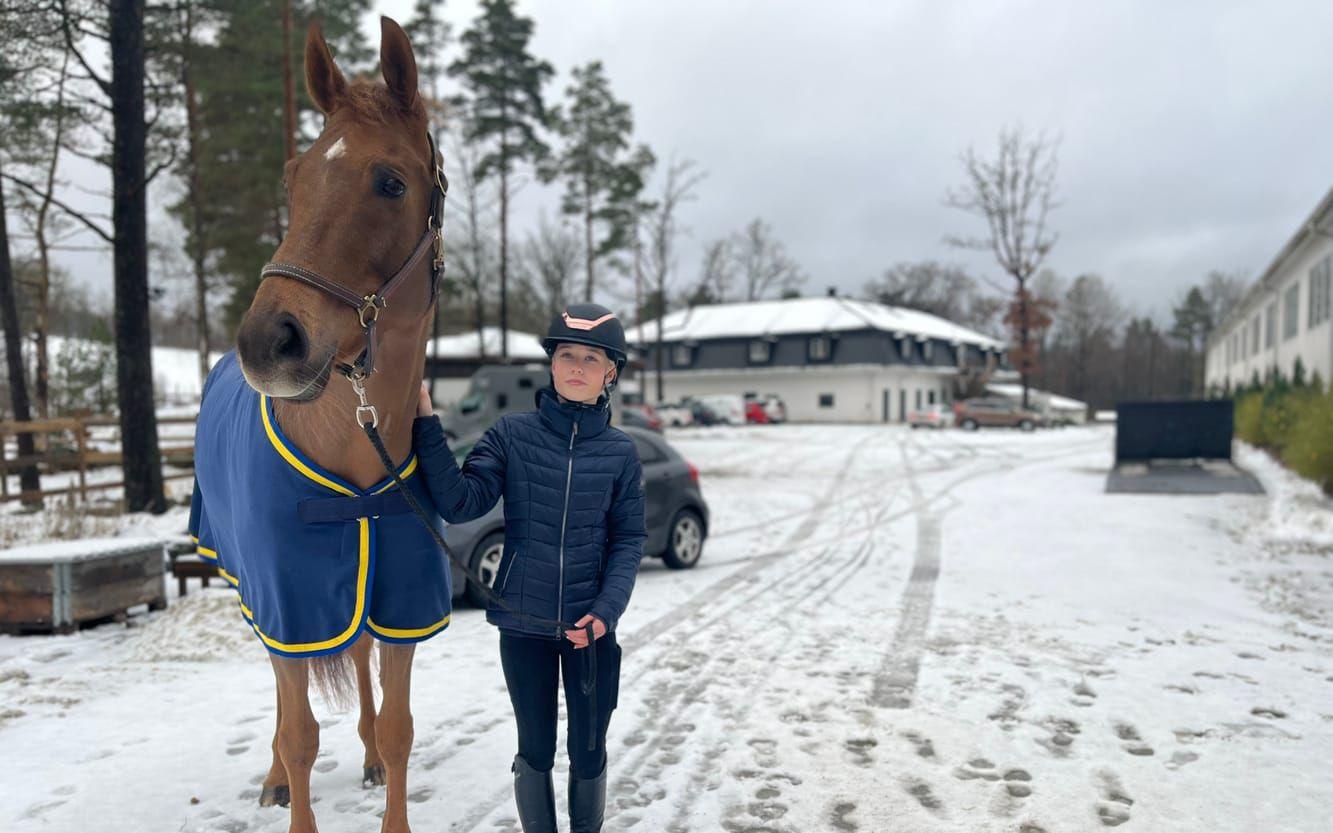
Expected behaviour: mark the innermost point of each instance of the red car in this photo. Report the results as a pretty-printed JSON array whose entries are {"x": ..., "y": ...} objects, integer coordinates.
[
  {"x": 648, "y": 417},
  {"x": 755, "y": 413}
]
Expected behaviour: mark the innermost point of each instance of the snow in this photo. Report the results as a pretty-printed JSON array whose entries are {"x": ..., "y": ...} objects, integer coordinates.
[
  {"x": 81, "y": 549},
  {"x": 464, "y": 345},
  {"x": 1052, "y": 400},
  {"x": 175, "y": 370},
  {"x": 888, "y": 631},
  {"x": 803, "y": 315}
]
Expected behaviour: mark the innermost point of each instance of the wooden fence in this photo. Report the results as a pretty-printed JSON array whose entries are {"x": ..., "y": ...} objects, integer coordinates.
[{"x": 67, "y": 445}]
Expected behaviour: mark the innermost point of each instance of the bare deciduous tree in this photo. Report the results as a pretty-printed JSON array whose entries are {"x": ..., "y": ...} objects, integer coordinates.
[
  {"x": 550, "y": 258},
  {"x": 682, "y": 177},
  {"x": 761, "y": 261},
  {"x": 469, "y": 243},
  {"x": 1013, "y": 192}
]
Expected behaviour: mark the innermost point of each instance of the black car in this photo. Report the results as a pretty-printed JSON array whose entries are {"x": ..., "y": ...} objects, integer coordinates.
[{"x": 675, "y": 514}]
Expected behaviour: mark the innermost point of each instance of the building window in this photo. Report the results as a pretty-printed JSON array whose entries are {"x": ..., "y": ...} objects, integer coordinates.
[
  {"x": 760, "y": 351},
  {"x": 826, "y": 400},
  {"x": 817, "y": 348},
  {"x": 1270, "y": 325},
  {"x": 918, "y": 399},
  {"x": 1291, "y": 303},
  {"x": 1319, "y": 280},
  {"x": 1254, "y": 337},
  {"x": 930, "y": 397},
  {"x": 682, "y": 355},
  {"x": 927, "y": 348}
]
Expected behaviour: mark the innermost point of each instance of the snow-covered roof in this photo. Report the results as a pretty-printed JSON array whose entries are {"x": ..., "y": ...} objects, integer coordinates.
[
  {"x": 464, "y": 345},
  {"x": 803, "y": 315},
  {"x": 1052, "y": 400}
]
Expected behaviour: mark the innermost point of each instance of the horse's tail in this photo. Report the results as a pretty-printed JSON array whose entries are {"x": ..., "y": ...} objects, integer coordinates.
[{"x": 335, "y": 677}]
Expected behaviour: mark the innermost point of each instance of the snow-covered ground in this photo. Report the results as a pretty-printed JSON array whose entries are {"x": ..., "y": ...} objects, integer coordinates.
[{"x": 889, "y": 631}]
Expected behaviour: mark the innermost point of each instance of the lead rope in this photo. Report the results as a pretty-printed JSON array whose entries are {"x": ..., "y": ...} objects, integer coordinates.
[{"x": 588, "y": 685}]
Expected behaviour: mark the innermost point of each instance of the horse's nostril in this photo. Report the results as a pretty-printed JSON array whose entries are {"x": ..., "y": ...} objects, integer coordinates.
[{"x": 289, "y": 342}]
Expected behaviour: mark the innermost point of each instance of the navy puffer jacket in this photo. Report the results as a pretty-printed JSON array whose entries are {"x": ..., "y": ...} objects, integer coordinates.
[{"x": 573, "y": 492}]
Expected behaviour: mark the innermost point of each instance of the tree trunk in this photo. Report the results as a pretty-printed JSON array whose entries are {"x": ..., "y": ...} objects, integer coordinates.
[
  {"x": 134, "y": 358},
  {"x": 587, "y": 238},
  {"x": 18, "y": 389},
  {"x": 1023, "y": 370},
  {"x": 43, "y": 300},
  {"x": 504, "y": 258},
  {"x": 197, "y": 248},
  {"x": 288, "y": 88}
]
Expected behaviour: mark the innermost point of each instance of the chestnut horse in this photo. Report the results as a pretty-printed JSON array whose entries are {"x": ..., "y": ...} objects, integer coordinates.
[{"x": 358, "y": 198}]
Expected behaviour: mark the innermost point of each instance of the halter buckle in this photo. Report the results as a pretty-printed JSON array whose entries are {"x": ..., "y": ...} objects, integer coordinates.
[{"x": 372, "y": 306}]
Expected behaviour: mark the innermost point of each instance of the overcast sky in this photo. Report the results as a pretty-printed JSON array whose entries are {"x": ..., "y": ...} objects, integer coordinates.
[{"x": 1193, "y": 135}]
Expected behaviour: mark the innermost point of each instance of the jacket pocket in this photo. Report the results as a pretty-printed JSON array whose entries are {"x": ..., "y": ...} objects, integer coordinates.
[{"x": 504, "y": 578}]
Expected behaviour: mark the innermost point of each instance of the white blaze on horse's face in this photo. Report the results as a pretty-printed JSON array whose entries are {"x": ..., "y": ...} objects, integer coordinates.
[{"x": 338, "y": 149}]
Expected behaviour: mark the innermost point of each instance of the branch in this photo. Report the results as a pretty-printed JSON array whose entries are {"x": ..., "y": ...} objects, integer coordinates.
[
  {"x": 63, "y": 207},
  {"x": 157, "y": 169},
  {"x": 104, "y": 85}
]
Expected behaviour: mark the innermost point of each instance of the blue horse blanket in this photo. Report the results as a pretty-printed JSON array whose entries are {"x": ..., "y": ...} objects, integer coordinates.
[{"x": 314, "y": 559}]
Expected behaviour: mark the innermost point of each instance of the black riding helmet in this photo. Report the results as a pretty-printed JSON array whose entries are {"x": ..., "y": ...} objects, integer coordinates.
[{"x": 593, "y": 325}]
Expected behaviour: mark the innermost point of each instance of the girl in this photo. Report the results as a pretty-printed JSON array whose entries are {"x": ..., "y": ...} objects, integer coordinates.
[{"x": 574, "y": 533}]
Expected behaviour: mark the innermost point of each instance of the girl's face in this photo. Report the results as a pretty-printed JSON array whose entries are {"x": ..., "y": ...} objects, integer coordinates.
[{"x": 581, "y": 372}]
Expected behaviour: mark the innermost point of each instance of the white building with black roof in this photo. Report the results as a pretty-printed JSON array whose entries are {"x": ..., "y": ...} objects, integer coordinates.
[
  {"x": 1285, "y": 316},
  {"x": 830, "y": 359}
]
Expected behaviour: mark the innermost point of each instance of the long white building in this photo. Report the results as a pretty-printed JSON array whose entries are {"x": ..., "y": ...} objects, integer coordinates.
[
  {"x": 830, "y": 359},
  {"x": 1285, "y": 314}
]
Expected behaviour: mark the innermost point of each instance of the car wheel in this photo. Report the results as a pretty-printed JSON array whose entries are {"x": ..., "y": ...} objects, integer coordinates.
[
  {"x": 1026, "y": 425},
  {"x": 485, "y": 563},
  {"x": 969, "y": 425},
  {"x": 915, "y": 426},
  {"x": 685, "y": 541}
]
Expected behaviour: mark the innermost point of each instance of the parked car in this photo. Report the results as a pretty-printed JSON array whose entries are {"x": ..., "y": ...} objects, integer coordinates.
[
  {"x": 932, "y": 416},
  {"x": 755, "y": 413},
  {"x": 675, "y": 514},
  {"x": 775, "y": 408},
  {"x": 675, "y": 414},
  {"x": 987, "y": 412},
  {"x": 494, "y": 391},
  {"x": 701, "y": 413},
  {"x": 729, "y": 407},
  {"x": 641, "y": 416}
]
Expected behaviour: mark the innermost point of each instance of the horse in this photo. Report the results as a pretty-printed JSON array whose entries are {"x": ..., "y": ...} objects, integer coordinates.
[{"x": 365, "y": 199}]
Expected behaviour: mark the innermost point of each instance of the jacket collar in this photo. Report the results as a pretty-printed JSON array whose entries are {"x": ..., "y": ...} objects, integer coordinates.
[{"x": 561, "y": 416}]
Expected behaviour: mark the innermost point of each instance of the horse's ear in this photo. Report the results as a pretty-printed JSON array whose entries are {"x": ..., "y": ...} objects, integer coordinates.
[
  {"x": 397, "y": 63},
  {"x": 323, "y": 80}
]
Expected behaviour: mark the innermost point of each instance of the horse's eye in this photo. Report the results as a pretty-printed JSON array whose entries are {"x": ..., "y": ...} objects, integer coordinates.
[{"x": 392, "y": 187}]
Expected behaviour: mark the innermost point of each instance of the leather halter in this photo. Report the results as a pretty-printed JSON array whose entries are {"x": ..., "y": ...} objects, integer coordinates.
[{"x": 368, "y": 307}]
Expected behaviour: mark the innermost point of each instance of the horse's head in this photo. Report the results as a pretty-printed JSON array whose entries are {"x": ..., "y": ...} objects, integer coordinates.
[{"x": 358, "y": 203}]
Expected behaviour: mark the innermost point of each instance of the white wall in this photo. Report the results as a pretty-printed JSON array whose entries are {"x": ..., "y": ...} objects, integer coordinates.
[
  {"x": 857, "y": 389},
  {"x": 1314, "y": 345}
]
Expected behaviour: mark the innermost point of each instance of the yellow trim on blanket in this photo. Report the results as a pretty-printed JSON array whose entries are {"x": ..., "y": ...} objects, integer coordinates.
[
  {"x": 409, "y": 633},
  {"x": 206, "y": 552},
  {"x": 295, "y": 462}
]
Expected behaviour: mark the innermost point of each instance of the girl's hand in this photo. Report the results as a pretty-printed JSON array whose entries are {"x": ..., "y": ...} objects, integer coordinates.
[
  {"x": 424, "y": 406},
  {"x": 580, "y": 638}
]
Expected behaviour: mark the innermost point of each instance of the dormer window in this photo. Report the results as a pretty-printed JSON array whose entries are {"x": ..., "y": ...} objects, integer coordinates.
[
  {"x": 760, "y": 351},
  {"x": 927, "y": 348},
  {"x": 682, "y": 355},
  {"x": 818, "y": 348}
]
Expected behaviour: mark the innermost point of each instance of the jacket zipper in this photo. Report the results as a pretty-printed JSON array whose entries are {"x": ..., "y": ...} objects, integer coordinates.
[
  {"x": 564, "y": 519},
  {"x": 504, "y": 582}
]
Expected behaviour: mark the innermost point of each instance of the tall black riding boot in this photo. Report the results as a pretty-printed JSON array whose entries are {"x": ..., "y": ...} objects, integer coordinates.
[
  {"x": 534, "y": 792},
  {"x": 587, "y": 802}
]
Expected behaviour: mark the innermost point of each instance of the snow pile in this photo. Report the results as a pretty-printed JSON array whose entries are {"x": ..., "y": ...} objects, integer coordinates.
[
  {"x": 201, "y": 627},
  {"x": 1298, "y": 517}
]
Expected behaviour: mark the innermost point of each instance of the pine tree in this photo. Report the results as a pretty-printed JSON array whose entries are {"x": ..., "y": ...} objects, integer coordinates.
[
  {"x": 601, "y": 176},
  {"x": 504, "y": 110}
]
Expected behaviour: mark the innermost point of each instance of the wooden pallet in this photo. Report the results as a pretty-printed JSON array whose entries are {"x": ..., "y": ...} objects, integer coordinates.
[{"x": 60, "y": 586}]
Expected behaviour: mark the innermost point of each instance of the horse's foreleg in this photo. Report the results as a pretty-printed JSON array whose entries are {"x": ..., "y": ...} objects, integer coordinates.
[
  {"x": 372, "y": 770},
  {"x": 275, "y": 792},
  {"x": 393, "y": 731},
  {"x": 298, "y": 737}
]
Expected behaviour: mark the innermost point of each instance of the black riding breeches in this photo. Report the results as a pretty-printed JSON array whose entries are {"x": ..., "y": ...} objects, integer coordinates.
[{"x": 533, "y": 667}]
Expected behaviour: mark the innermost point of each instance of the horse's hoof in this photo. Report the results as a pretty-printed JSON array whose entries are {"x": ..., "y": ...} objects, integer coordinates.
[
  {"x": 279, "y": 796},
  {"x": 373, "y": 776}
]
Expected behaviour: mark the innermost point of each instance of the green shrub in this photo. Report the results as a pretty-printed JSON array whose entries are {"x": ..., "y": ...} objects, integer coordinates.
[
  {"x": 1308, "y": 449},
  {"x": 1249, "y": 412}
]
